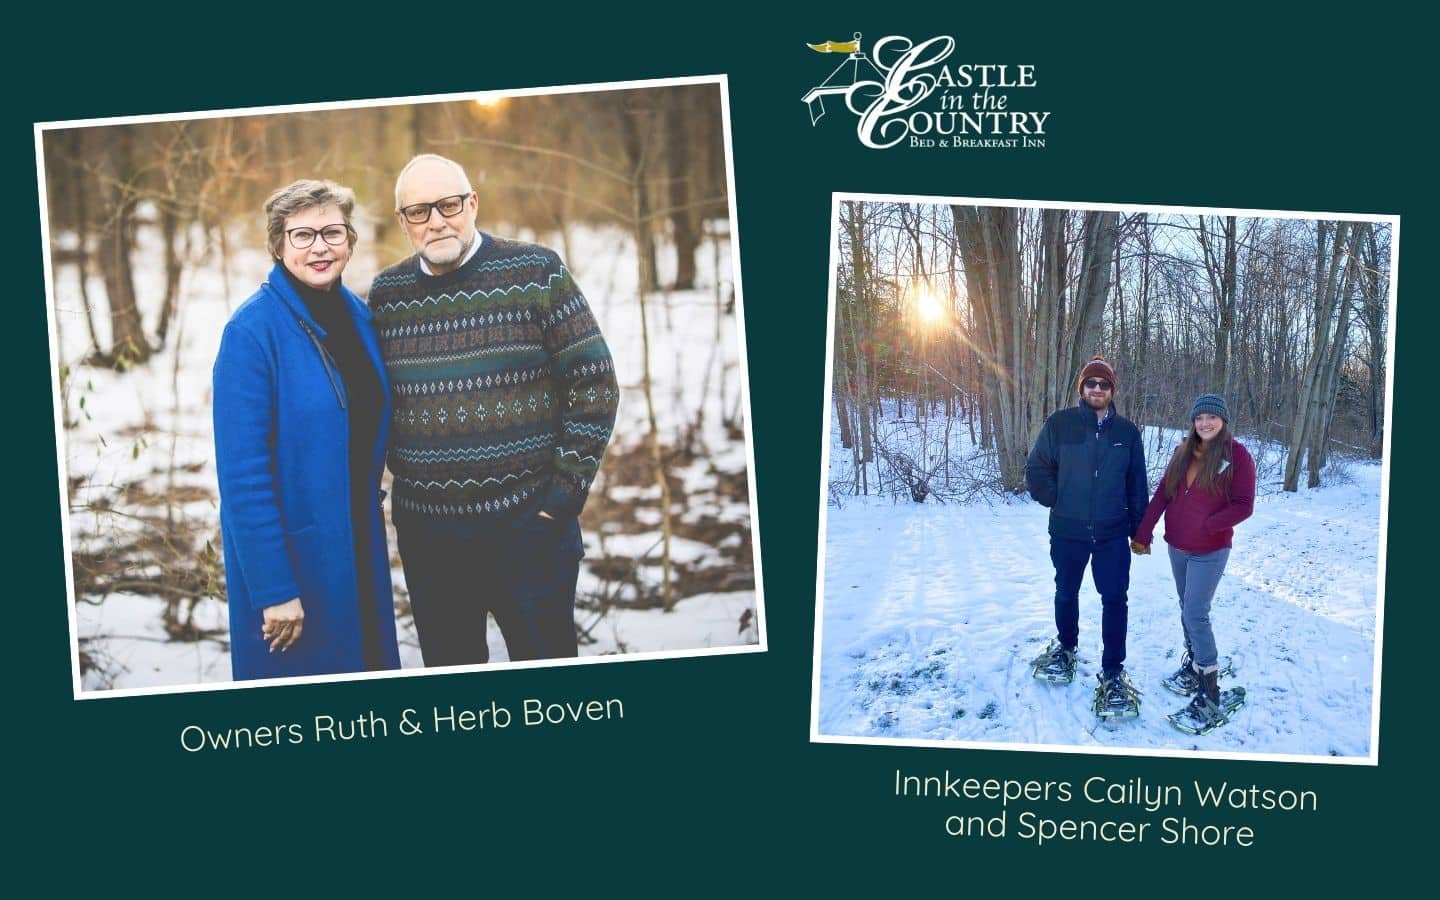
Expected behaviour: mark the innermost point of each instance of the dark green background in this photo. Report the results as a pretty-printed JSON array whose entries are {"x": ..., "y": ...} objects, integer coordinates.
[{"x": 711, "y": 781}]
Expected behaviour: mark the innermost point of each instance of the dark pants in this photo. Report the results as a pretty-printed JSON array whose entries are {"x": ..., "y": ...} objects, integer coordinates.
[
  {"x": 523, "y": 573},
  {"x": 1109, "y": 563}
]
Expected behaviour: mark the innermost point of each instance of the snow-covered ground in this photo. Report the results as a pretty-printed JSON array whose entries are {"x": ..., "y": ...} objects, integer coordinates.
[
  {"x": 145, "y": 436},
  {"x": 931, "y": 615}
]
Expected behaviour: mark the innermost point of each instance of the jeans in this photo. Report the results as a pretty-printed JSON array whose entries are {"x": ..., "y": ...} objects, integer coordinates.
[
  {"x": 1109, "y": 563},
  {"x": 524, "y": 573},
  {"x": 1196, "y": 577}
]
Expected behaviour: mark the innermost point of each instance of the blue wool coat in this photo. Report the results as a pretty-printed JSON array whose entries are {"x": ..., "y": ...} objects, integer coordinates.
[{"x": 282, "y": 453}]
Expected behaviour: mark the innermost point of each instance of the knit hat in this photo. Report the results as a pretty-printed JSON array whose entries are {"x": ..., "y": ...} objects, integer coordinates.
[
  {"x": 1097, "y": 368},
  {"x": 1214, "y": 404}
]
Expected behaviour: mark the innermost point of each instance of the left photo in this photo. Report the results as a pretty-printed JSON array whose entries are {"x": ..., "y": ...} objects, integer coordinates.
[{"x": 387, "y": 387}]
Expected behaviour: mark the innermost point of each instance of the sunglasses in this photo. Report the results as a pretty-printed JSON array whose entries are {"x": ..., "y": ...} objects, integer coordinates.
[{"x": 1091, "y": 383}]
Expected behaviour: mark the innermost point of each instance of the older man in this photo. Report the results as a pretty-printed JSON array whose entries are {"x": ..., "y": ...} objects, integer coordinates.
[
  {"x": 1088, "y": 466},
  {"x": 504, "y": 397}
]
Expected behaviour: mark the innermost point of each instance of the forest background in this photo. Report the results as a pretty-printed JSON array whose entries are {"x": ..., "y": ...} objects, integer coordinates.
[
  {"x": 155, "y": 234},
  {"x": 981, "y": 317}
]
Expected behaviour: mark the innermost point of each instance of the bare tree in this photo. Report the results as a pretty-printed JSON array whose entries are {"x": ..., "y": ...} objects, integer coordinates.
[
  {"x": 989, "y": 245},
  {"x": 684, "y": 216},
  {"x": 856, "y": 330},
  {"x": 1373, "y": 313},
  {"x": 1220, "y": 267},
  {"x": 119, "y": 195},
  {"x": 1330, "y": 314},
  {"x": 1098, "y": 247}
]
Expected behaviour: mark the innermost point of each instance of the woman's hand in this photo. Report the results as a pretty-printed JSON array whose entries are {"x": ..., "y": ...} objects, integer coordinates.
[{"x": 283, "y": 624}]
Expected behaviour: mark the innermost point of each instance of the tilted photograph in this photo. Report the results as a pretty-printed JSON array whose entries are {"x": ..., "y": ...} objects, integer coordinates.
[
  {"x": 1105, "y": 478},
  {"x": 393, "y": 386}
]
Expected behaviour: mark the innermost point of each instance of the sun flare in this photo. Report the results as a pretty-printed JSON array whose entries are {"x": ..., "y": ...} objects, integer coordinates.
[{"x": 929, "y": 308}]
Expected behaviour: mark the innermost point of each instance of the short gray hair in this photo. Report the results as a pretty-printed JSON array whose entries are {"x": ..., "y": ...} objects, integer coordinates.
[
  {"x": 295, "y": 198},
  {"x": 430, "y": 157}
]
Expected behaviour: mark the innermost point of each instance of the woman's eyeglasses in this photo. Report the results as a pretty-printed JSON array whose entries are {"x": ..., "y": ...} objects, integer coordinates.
[{"x": 334, "y": 235}]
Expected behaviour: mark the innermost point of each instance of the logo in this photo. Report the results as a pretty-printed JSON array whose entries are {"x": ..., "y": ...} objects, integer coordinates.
[{"x": 907, "y": 94}]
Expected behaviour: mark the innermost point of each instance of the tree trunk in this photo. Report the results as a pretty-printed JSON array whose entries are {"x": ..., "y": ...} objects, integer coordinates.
[
  {"x": 127, "y": 336},
  {"x": 1331, "y": 384},
  {"x": 169, "y": 231},
  {"x": 684, "y": 220},
  {"x": 842, "y": 415},
  {"x": 657, "y": 461},
  {"x": 1310, "y": 401},
  {"x": 81, "y": 211},
  {"x": 1374, "y": 307},
  {"x": 1221, "y": 272},
  {"x": 634, "y": 135},
  {"x": 988, "y": 242},
  {"x": 1142, "y": 409},
  {"x": 1052, "y": 385},
  {"x": 385, "y": 222},
  {"x": 1094, "y": 286},
  {"x": 860, "y": 329}
]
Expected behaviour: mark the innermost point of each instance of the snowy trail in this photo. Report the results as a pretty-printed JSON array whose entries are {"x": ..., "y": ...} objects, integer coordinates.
[{"x": 932, "y": 613}]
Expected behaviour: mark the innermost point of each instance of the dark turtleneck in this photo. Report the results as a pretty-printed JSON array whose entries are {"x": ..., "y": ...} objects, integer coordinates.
[{"x": 363, "y": 405}]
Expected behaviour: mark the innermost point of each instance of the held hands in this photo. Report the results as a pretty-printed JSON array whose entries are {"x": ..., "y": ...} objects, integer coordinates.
[
  {"x": 283, "y": 624},
  {"x": 1138, "y": 548}
]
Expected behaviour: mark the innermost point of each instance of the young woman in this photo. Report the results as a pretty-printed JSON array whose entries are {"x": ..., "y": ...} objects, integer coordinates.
[
  {"x": 1208, "y": 489},
  {"x": 302, "y": 407}
]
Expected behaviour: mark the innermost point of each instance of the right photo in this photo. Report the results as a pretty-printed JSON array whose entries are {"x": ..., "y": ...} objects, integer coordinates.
[{"x": 1104, "y": 478}]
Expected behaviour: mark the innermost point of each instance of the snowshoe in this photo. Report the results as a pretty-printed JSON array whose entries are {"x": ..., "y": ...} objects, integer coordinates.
[
  {"x": 1185, "y": 682},
  {"x": 1203, "y": 716},
  {"x": 1116, "y": 697},
  {"x": 1056, "y": 665}
]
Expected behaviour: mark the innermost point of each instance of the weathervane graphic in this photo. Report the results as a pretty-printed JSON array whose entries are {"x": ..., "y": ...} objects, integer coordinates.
[{"x": 855, "y": 68}]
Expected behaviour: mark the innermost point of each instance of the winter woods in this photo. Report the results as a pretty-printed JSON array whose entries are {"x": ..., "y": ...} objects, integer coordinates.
[
  {"x": 651, "y": 161},
  {"x": 155, "y": 232},
  {"x": 959, "y": 328}
]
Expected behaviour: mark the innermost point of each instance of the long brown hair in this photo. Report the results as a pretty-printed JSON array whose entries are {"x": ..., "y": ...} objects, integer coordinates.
[{"x": 1210, "y": 478}]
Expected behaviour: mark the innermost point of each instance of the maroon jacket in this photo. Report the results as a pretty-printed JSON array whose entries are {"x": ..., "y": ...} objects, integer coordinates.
[{"x": 1197, "y": 521}]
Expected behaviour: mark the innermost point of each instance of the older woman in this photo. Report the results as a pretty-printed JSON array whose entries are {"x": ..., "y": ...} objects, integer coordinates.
[
  {"x": 1208, "y": 489},
  {"x": 301, "y": 413}
]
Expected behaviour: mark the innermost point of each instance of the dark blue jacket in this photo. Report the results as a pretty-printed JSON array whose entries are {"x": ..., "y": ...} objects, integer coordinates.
[
  {"x": 1091, "y": 475},
  {"x": 281, "y": 451}
]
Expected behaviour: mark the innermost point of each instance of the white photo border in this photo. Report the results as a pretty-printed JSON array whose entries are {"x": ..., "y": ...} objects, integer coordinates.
[
  {"x": 1373, "y": 758},
  {"x": 721, "y": 80}
]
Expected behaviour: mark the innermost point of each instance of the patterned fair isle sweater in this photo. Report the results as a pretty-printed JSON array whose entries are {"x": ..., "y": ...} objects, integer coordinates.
[{"x": 503, "y": 389}]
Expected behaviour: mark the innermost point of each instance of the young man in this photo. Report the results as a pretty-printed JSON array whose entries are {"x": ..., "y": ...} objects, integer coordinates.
[
  {"x": 1088, "y": 467},
  {"x": 504, "y": 397}
]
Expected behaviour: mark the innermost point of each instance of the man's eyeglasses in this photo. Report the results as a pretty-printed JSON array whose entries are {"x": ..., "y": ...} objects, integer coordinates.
[
  {"x": 1102, "y": 384},
  {"x": 334, "y": 235},
  {"x": 419, "y": 213}
]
